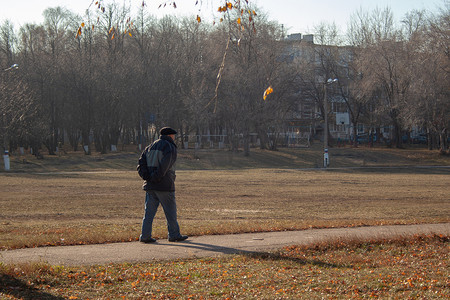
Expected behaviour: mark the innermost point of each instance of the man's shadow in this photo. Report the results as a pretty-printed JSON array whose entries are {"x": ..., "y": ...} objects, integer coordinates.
[
  {"x": 17, "y": 288},
  {"x": 276, "y": 256}
]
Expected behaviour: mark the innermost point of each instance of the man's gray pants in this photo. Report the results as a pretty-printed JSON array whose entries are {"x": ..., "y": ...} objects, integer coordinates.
[{"x": 168, "y": 202}]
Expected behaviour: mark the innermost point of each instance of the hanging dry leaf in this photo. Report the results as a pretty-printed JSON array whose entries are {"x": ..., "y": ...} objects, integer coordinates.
[
  {"x": 199, "y": 19},
  {"x": 267, "y": 92}
]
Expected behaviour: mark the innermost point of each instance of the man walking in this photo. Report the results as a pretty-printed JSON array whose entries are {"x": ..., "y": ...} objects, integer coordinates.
[{"x": 157, "y": 168}]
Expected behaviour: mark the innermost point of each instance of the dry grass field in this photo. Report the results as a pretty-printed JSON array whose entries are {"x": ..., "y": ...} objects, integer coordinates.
[
  {"x": 76, "y": 199},
  {"x": 412, "y": 268}
]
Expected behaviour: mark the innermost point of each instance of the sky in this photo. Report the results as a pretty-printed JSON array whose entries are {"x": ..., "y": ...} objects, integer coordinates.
[{"x": 297, "y": 16}]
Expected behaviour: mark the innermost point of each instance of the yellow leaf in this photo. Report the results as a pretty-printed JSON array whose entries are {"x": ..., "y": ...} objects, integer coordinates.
[
  {"x": 113, "y": 36},
  {"x": 267, "y": 92},
  {"x": 229, "y": 5},
  {"x": 129, "y": 33},
  {"x": 239, "y": 21},
  {"x": 199, "y": 19},
  {"x": 82, "y": 24}
]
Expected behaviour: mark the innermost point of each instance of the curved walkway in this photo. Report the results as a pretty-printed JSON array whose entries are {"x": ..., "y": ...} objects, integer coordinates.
[{"x": 209, "y": 246}]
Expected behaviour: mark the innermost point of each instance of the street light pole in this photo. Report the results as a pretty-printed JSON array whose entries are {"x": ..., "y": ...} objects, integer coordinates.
[
  {"x": 6, "y": 159},
  {"x": 326, "y": 158}
]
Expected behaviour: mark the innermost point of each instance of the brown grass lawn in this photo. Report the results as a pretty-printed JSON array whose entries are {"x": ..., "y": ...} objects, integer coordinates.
[
  {"x": 49, "y": 206},
  {"x": 410, "y": 268},
  {"x": 76, "y": 199}
]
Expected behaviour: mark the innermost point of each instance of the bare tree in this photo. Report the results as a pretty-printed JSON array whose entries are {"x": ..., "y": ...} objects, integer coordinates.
[
  {"x": 20, "y": 125},
  {"x": 253, "y": 64},
  {"x": 381, "y": 64},
  {"x": 196, "y": 80},
  {"x": 19, "y": 109},
  {"x": 8, "y": 43},
  {"x": 429, "y": 104},
  {"x": 141, "y": 114}
]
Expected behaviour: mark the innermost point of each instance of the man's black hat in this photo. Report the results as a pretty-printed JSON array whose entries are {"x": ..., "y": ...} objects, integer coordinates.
[{"x": 167, "y": 131}]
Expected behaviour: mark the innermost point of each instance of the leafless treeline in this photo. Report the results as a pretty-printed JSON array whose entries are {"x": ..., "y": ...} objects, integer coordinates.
[{"x": 114, "y": 80}]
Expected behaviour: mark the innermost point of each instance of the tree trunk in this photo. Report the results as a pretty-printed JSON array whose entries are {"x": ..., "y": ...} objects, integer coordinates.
[
  {"x": 246, "y": 144},
  {"x": 443, "y": 141},
  {"x": 355, "y": 133}
]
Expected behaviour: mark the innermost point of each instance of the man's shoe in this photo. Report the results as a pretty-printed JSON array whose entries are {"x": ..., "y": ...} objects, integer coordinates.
[
  {"x": 150, "y": 240},
  {"x": 178, "y": 239}
]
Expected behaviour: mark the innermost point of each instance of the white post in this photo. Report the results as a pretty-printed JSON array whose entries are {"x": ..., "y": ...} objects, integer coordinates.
[
  {"x": 326, "y": 161},
  {"x": 6, "y": 160}
]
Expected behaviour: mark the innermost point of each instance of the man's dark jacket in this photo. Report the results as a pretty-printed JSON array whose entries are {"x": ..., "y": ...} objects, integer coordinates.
[{"x": 157, "y": 165}]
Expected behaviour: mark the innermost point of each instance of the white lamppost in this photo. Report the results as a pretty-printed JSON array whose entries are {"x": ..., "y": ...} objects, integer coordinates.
[
  {"x": 326, "y": 158},
  {"x": 6, "y": 159}
]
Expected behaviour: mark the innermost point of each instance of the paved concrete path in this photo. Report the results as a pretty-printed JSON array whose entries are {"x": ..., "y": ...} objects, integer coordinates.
[{"x": 208, "y": 246}]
